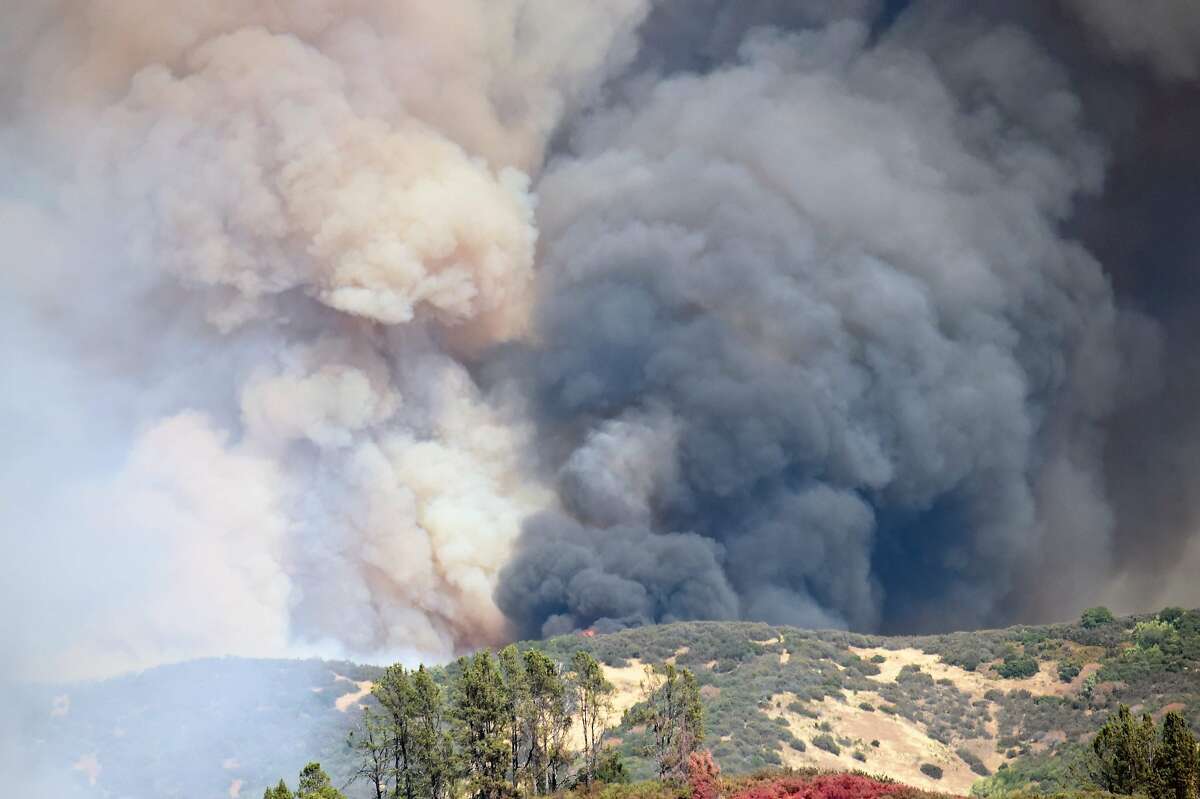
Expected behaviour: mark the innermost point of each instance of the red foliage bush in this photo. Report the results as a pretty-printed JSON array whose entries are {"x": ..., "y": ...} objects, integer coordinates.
[
  {"x": 824, "y": 786},
  {"x": 704, "y": 775}
]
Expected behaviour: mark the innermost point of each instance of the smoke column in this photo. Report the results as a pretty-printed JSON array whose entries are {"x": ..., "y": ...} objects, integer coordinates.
[
  {"x": 392, "y": 329},
  {"x": 253, "y": 247},
  {"x": 832, "y": 278}
]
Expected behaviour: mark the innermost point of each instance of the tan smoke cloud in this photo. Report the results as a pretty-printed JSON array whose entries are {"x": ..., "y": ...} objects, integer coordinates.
[
  {"x": 262, "y": 178},
  {"x": 278, "y": 231}
]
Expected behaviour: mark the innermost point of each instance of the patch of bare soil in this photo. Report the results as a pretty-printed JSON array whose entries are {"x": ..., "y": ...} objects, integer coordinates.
[
  {"x": 1173, "y": 707},
  {"x": 349, "y": 700}
]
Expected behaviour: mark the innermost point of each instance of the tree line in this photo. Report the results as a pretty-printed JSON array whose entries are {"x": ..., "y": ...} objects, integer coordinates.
[
  {"x": 503, "y": 726},
  {"x": 1131, "y": 756}
]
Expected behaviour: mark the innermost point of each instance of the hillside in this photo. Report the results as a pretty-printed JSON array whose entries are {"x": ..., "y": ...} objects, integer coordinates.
[
  {"x": 780, "y": 696},
  {"x": 773, "y": 696},
  {"x": 205, "y": 728}
]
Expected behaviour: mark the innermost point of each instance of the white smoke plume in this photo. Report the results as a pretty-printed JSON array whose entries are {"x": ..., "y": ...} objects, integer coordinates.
[{"x": 255, "y": 246}]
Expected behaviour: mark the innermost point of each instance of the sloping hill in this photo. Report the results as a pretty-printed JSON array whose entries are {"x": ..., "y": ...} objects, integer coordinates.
[
  {"x": 781, "y": 696},
  {"x": 773, "y": 696},
  {"x": 208, "y": 728}
]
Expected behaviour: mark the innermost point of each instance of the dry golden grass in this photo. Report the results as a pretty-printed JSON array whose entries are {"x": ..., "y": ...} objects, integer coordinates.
[
  {"x": 903, "y": 745},
  {"x": 974, "y": 683}
]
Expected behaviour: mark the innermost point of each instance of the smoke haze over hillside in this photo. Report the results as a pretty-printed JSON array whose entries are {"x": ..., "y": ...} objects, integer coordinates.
[{"x": 389, "y": 329}]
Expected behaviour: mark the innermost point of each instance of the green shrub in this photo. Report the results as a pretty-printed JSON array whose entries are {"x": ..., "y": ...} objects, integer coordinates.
[
  {"x": 1155, "y": 633},
  {"x": 611, "y": 770},
  {"x": 878, "y": 659},
  {"x": 1044, "y": 773},
  {"x": 1140, "y": 665},
  {"x": 1017, "y": 666},
  {"x": 867, "y": 706},
  {"x": 913, "y": 675},
  {"x": 1068, "y": 670},
  {"x": 931, "y": 771},
  {"x": 1096, "y": 617},
  {"x": 972, "y": 760},
  {"x": 1171, "y": 615},
  {"x": 859, "y": 755},
  {"x": 826, "y": 742}
]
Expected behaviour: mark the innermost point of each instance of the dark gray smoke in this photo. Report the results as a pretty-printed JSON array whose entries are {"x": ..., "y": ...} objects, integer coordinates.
[
  {"x": 822, "y": 311},
  {"x": 618, "y": 575}
]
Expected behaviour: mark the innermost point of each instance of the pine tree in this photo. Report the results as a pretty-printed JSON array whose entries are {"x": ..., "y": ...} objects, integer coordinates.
[
  {"x": 371, "y": 741},
  {"x": 1124, "y": 754},
  {"x": 691, "y": 723},
  {"x": 593, "y": 702},
  {"x": 394, "y": 692},
  {"x": 516, "y": 699},
  {"x": 280, "y": 791},
  {"x": 671, "y": 708},
  {"x": 561, "y": 756},
  {"x": 315, "y": 784},
  {"x": 434, "y": 761},
  {"x": 547, "y": 720},
  {"x": 1175, "y": 761},
  {"x": 481, "y": 730}
]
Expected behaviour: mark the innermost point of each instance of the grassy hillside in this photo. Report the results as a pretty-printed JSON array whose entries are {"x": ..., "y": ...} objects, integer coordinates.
[
  {"x": 908, "y": 708},
  {"x": 780, "y": 696}
]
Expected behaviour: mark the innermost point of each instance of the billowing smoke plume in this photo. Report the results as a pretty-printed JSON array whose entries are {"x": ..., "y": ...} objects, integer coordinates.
[
  {"x": 845, "y": 288},
  {"x": 378, "y": 328},
  {"x": 254, "y": 246},
  {"x": 834, "y": 267}
]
